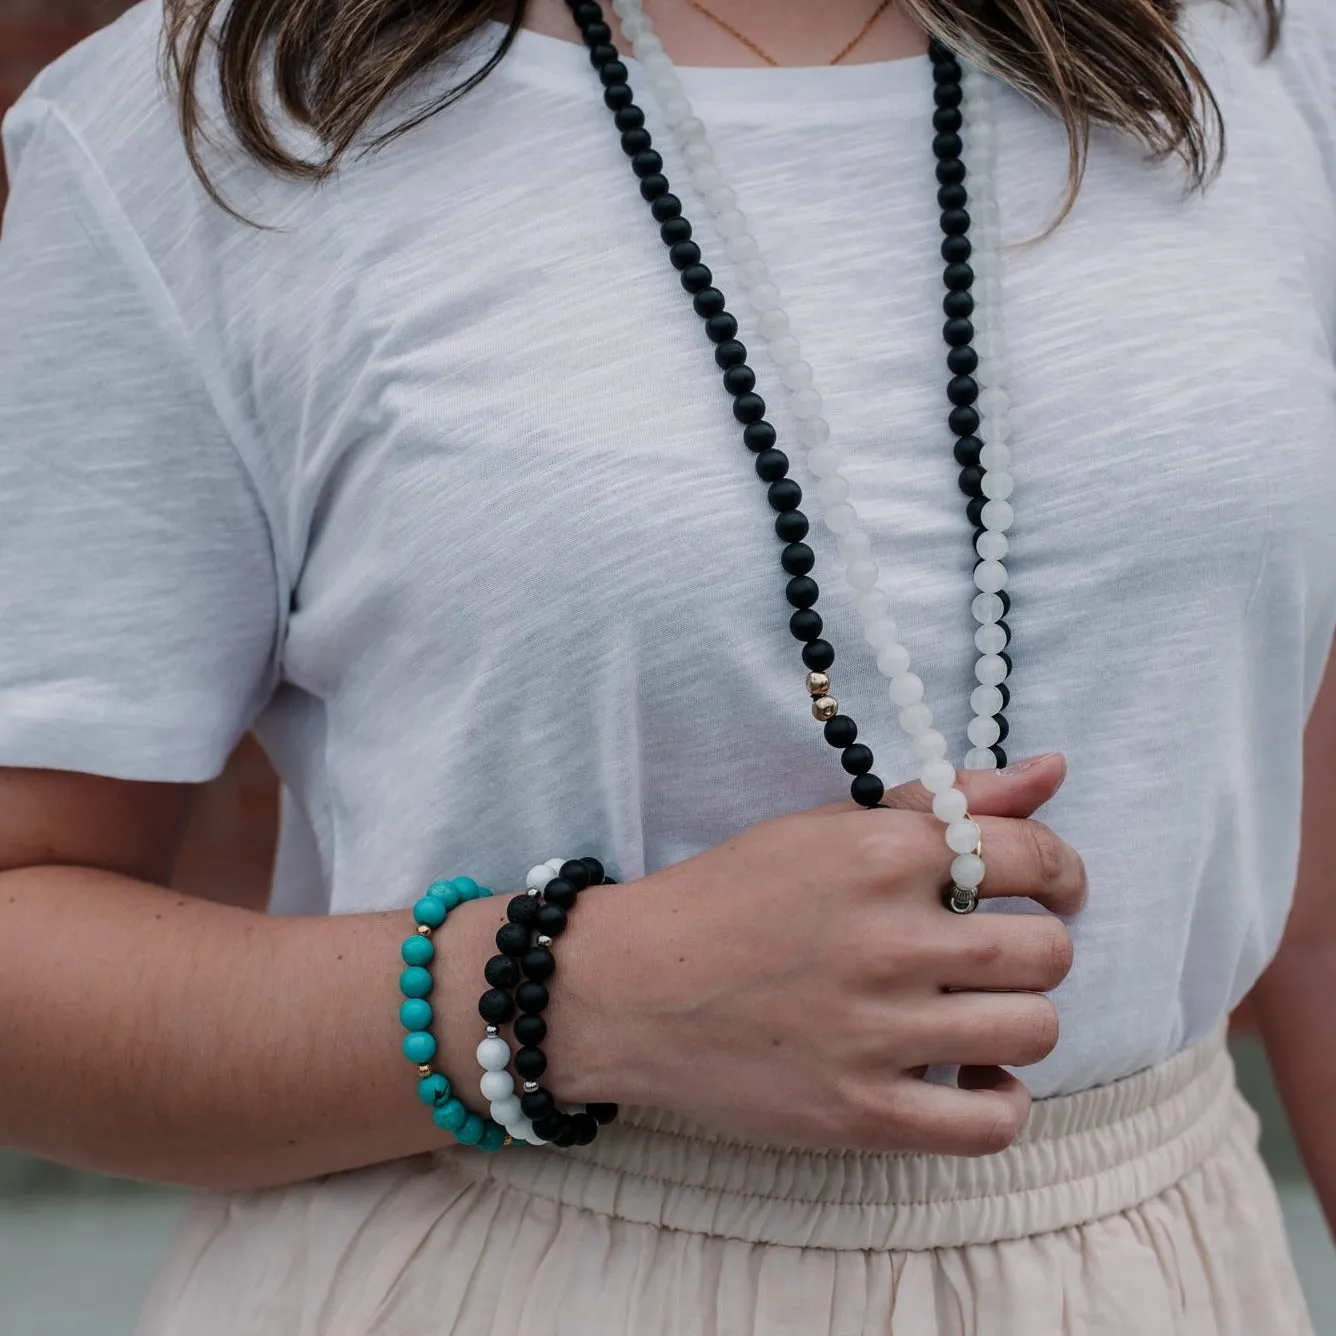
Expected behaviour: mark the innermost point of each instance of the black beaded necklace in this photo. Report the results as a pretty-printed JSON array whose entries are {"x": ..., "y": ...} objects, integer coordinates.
[{"x": 758, "y": 435}]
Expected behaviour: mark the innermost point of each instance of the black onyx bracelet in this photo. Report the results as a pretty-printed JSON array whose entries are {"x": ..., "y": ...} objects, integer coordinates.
[{"x": 517, "y": 978}]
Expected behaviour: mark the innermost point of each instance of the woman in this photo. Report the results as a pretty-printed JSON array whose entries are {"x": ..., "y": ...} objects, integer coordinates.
[{"x": 439, "y": 470}]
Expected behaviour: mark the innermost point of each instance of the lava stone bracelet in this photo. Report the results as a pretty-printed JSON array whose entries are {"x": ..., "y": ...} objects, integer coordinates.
[{"x": 524, "y": 945}]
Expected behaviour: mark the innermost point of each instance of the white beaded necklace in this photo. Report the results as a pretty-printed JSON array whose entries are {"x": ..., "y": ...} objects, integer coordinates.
[{"x": 906, "y": 690}]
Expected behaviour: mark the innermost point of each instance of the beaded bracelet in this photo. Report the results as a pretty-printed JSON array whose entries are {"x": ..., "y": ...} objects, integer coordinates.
[
  {"x": 543, "y": 908},
  {"x": 415, "y": 983}
]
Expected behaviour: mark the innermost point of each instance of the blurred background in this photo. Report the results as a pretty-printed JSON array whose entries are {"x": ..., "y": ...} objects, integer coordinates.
[{"x": 76, "y": 1250}]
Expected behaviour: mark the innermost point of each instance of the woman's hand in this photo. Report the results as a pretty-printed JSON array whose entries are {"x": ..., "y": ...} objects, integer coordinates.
[{"x": 790, "y": 986}]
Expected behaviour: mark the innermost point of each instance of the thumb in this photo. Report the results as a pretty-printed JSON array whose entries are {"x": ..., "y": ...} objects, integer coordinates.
[{"x": 1018, "y": 791}]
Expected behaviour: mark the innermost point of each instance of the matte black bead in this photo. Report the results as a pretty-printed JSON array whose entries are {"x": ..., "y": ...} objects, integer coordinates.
[
  {"x": 867, "y": 790},
  {"x": 663, "y": 207},
  {"x": 655, "y": 187},
  {"x": 963, "y": 421},
  {"x": 647, "y": 163},
  {"x": 771, "y": 466},
  {"x": 958, "y": 277},
  {"x": 971, "y": 481},
  {"x": 947, "y": 120},
  {"x": 1001, "y": 756},
  {"x": 749, "y": 407},
  {"x": 636, "y": 141},
  {"x": 952, "y": 197},
  {"x": 629, "y": 118},
  {"x": 805, "y": 624},
  {"x": 857, "y": 760},
  {"x": 967, "y": 451},
  {"x": 937, "y": 52},
  {"x": 1006, "y": 601},
  {"x": 684, "y": 255},
  {"x": 566, "y": 1137},
  {"x": 797, "y": 559},
  {"x": 596, "y": 33},
  {"x": 1002, "y": 724},
  {"x": 730, "y": 353},
  {"x": 587, "y": 13},
  {"x": 696, "y": 277},
  {"x": 512, "y": 939},
  {"x": 946, "y": 71},
  {"x": 958, "y": 331},
  {"x": 802, "y": 591},
  {"x": 522, "y": 909},
  {"x": 958, "y": 305},
  {"x": 974, "y": 510},
  {"x": 531, "y": 996},
  {"x": 963, "y": 361},
  {"x": 596, "y": 870},
  {"x": 1006, "y": 694},
  {"x": 496, "y": 1006},
  {"x": 583, "y": 1128},
  {"x": 613, "y": 74},
  {"x": 551, "y": 1124},
  {"x": 956, "y": 250},
  {"x": 948, "y": 95},
  {"x": 739, "y": 379},
  {"x": 758, "y": 436},
  {"x": 945, "y": 146},
  {"x": 1006, "y": 630},
  {"x": 1006, "y": 658},
  {"x": 950, "y": 172},
  {"x": 538, "y": 963},
  {"x": 574, "y": 871},
  {"x": 674, "y": 230},
  {"x": 962, "y": 391},
  {"x": 955, "y": 222},
  {"x": 560, "y": 892},
  {"x": 538, "y": 1104},
  {"x": 841, "y": 731},
  {"x": 530, "y": 1063},
  {"x": 784, "y": 494},
  {"x": 720, "y": 327},
  {"x": 602, "y": 1114},
  {"x": 551, "y": 920},
  {"x": 501, "y": 972},
  {"x": 530, "y": 1029},
  {"x": 818, "y": 655},
  {"x": 601, "y": 53},
  {"x": 709, "y": 302},
  {"x": 791, "y": 526}
]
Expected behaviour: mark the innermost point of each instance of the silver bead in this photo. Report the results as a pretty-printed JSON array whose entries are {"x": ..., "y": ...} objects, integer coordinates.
[
  {"x": 544, "y": 939},
  {"x": 961, "y": 900},
  {"x": 492, "y": 1032},
  {"x": 531, "y": 1087},
  {"x": 532, "y": 894}
]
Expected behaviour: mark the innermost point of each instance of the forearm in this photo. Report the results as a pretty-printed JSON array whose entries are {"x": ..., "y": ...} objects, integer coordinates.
[
  {"x": 149, "y": 1034},
  {"x": 1296, "y": 1009}
]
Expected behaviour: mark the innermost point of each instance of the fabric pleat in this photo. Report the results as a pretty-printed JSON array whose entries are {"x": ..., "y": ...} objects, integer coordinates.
[{"x": 1138, "y": 1209}]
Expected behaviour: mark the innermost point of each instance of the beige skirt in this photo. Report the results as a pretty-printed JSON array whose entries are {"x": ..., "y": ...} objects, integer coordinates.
[{"x": 1139, "y": 1209}]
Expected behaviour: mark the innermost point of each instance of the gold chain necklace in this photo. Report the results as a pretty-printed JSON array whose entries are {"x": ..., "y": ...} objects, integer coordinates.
[{"x": 765, "y": 55}]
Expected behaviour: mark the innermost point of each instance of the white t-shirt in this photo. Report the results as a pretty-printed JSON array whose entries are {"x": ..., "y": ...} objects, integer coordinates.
[{"x": 436, "y": 486}]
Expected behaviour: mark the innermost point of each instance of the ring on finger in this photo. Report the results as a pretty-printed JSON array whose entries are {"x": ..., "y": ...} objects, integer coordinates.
[{"x": 961, "y": 899}]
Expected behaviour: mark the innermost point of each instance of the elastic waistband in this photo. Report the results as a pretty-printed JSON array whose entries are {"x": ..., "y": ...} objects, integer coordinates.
[{"x": 1081, "y": 1157}]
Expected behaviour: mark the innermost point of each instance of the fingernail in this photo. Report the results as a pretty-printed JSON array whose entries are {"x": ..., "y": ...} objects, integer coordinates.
[{"x": 1025, "y": 766}]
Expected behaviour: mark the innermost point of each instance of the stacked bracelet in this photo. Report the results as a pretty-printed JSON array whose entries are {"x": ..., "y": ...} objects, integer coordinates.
[
  {"x": 524, "y": 948},
  {"x": 415, "y": 983}
]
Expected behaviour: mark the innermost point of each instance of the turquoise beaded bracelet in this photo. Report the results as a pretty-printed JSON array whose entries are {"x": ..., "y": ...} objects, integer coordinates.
[{"x": 415, "y": 983}]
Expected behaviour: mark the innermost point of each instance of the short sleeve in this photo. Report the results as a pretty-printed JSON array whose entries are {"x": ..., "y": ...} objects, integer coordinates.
[{"x": 138, "y": 594}]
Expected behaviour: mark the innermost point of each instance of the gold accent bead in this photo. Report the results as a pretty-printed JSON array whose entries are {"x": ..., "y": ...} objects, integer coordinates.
[
  {"x": 825, "y": 707},
  {"x": 424, "y": 1071},
  {"x": 509, "y": 1141},
  {"x": 424, "y": 930},
  {"x": 818, "y": 684}
]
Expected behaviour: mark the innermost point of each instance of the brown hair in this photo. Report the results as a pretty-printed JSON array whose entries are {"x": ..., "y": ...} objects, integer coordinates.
[{"x": 1120, "y": 63}]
